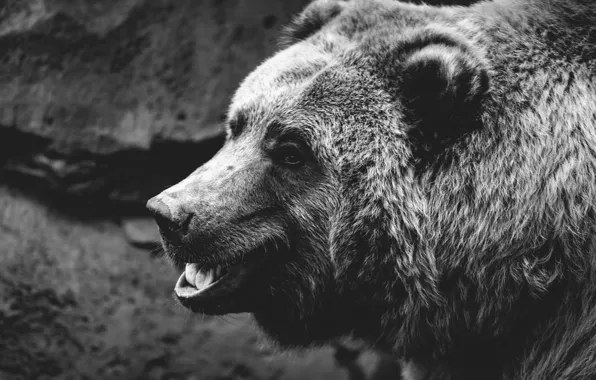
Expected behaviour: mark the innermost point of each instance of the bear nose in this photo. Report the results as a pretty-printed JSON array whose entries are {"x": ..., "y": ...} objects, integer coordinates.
[{"x": 173, "y": 222}]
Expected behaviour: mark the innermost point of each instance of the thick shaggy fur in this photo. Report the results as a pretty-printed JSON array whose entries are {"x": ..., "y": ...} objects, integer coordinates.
[{"x": 447, "y": 208}]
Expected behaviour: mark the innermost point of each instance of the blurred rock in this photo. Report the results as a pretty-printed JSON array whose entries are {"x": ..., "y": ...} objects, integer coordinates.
[
  {"x": 387, "y": 367},
  {"x": 116, "y": 99},
  {"x": 362, "y": 363},
  {"x": 141, "y": 232}
]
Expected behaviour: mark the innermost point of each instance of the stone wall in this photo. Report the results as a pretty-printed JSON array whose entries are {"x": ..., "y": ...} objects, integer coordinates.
[{"x": 115, "y": 99}]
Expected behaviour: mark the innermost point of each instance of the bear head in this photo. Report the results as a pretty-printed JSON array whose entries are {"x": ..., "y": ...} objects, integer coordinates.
[{"x": 316, "y": 205}]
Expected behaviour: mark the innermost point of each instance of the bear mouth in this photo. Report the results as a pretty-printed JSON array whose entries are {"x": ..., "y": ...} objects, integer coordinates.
[
  {"x": 221, "y": 288},
  {"x": 197, "y": 281}
]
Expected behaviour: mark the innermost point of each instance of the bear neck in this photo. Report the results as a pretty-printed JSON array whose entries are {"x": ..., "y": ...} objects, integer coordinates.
[
  {"x": 334, "y": 318},
  {"x": 554, "y": 340}
]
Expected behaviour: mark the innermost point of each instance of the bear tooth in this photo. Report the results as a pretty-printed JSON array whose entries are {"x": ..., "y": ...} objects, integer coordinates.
[
  {"x": 190, "y": 272},
  {"x": 209, "y": 277},
  {"x": 199, "y": 280},
  {"x": 218, "y": 271},
  {"x": 204, "y": 278}
]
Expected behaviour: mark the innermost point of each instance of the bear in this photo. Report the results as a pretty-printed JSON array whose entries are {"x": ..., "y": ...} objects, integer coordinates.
[{"x": 422, "y": 178}]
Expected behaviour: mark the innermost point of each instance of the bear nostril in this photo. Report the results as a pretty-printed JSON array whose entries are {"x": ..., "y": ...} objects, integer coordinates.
[
  {"x": 165, "y": 224},
  {"x": 185, "y": 223},
  {"x": 173, "y": 225}
]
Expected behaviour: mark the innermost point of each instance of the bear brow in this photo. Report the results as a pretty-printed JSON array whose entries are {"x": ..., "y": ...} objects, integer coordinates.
[{"x": 281, "y": 130}]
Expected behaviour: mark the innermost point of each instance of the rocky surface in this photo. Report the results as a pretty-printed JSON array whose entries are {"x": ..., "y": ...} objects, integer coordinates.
[
  {"x": 116, "y": 99},
  {"x": 141, "y": 232}
]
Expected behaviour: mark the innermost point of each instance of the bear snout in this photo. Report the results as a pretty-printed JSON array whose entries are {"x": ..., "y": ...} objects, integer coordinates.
[{"x": 172, "y": 220}]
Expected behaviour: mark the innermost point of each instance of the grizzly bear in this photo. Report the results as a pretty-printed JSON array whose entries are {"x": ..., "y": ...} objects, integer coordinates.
[{"x": 422, "y": 178}]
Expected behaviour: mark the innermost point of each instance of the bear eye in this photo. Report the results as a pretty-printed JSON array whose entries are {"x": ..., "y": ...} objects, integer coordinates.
[
  {"x": 236, "y": 124},
  {"x": 290, "y": 155}
]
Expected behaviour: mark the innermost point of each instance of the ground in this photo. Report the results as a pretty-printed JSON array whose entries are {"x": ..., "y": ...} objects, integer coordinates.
[{"x": 78, "y": 302}]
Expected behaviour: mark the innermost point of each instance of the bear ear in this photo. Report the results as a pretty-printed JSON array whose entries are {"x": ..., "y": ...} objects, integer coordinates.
[
  {"x": 311, "y": 20},
  {"x": 442, "y": 85}
]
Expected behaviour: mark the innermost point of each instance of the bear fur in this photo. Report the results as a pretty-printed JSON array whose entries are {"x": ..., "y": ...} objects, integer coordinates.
[{"x": 438, "y": 198}]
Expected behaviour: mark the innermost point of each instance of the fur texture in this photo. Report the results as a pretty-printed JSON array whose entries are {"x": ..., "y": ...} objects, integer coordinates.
[{"x": 445, "y": 206}]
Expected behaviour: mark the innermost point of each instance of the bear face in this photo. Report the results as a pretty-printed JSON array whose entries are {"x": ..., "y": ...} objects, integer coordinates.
[
  {"x": 265, "y": 197},
  {"x": 416, "y": 176}
]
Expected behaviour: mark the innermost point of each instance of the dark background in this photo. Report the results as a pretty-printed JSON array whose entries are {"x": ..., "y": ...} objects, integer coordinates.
[{"x": 104, "y": 103}]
